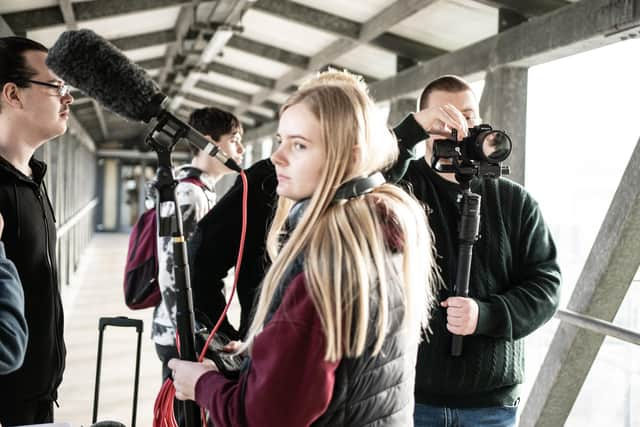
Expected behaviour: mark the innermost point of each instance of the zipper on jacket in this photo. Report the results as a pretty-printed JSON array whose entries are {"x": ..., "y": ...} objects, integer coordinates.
[{"x": 53, "y": 284}]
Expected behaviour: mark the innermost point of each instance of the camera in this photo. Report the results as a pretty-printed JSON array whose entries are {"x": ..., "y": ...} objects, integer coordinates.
[{"x": 480, "y": 153}]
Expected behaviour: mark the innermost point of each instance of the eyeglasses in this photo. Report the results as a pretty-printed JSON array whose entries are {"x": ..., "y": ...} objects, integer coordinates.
[{"x": 62, "y": 88}]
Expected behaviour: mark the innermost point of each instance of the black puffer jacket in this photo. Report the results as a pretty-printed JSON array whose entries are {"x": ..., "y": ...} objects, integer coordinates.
[
  {"x": 30, "y": 241},
  {"x": 371, "y": 390},
  {"x": 376, "y": 390}
]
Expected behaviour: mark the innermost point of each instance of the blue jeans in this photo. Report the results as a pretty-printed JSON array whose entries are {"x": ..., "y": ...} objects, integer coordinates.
[{"x": 438, "y": 416}]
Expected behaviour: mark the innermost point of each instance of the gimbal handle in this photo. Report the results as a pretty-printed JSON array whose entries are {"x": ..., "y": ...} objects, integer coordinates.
[{"x": 467, "y": 236}]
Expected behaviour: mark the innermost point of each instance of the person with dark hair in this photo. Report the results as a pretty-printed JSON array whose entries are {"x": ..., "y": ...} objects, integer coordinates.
[
  {"x": 514, "y": 282},
  {"x": 34, "y": 108},
  {"x": 222, "y": 127},
  {"x": 13, "y": 325},
  {"x": 196, "y": 195}
]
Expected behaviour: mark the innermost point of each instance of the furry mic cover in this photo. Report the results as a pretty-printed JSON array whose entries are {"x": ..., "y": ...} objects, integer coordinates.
[{"x": 88, "y": 62}]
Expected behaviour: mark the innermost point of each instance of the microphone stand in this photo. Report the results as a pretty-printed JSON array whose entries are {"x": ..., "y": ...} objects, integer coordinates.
[
  {"x": 163, "y": 141},
  {"x": 468, "y": 234}
]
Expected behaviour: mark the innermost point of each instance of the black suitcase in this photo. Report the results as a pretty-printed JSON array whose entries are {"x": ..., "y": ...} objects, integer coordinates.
[{"x": 120, "y": 321}]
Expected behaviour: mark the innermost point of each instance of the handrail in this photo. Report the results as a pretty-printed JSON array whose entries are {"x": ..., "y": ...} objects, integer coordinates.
[
  {"x": 64, "y": 228},
  {"x": 598, "y": 326}
]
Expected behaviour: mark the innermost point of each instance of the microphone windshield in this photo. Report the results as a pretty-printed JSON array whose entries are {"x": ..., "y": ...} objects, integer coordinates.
[{"x": 90, "y": 63}]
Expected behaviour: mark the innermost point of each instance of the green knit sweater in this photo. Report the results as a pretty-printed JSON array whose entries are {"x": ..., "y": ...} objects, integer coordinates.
[{"x": 515, "y": 280}]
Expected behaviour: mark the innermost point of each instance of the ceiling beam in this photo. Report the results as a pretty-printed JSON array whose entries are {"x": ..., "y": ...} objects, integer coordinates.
[
  {"x": 224, "y": 12},
  {"x": 309, "y": 16},
  {"x": 21, "y": 22},
  {"x": 68, "y": 15},
  {"x": 210, "y": 87},
  {"x": 101, "y": 9},
  {"x": 185, "y": 18},
  {"x": 277, "y": 54},
  {"x": 396, "y": 12},
  {"x": 579, "y": 27},
  {"x": 239, "y": 74},
  {"x": 29, "y": 20},
  {"x": 346, "y": 28},
  {"x": 528, "y": 8},
  {"x": 406, "y": 47},
  {"x": 152, "y": 63},
  {"x": 140, "y": 41},
  {"x": 267, "y": 51},
  {"x": 573, "y": 29}
]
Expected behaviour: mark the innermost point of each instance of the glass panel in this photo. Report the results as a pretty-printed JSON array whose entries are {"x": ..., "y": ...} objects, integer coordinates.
[
  {"x": 581, "y": 130},
  {"x": 610, "y": 395}
]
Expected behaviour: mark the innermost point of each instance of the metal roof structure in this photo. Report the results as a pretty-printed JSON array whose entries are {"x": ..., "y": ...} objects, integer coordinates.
[{"x": 247, "y": 56}]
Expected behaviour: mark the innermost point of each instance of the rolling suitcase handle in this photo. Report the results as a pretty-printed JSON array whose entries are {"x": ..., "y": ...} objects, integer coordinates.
[{"x": 125, "y": 322}]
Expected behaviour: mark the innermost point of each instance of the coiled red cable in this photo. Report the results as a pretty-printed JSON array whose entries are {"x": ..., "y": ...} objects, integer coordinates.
[{"x": 163, "y": 411}]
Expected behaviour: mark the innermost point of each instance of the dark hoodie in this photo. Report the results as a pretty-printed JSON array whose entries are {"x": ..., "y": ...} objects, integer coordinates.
[{"x": 30, "y": 241}]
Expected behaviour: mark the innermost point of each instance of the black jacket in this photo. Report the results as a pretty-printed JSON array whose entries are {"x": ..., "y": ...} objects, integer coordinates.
[
  {"x": 30, "y": 241},
  {"x": 213, "y": 248}
]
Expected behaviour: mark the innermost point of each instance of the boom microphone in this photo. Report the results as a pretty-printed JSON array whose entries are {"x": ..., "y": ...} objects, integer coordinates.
[{"x": 88, "y": 62}]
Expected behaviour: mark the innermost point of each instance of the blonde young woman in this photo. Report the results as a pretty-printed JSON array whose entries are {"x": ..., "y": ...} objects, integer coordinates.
[{"x": 337, "y": 324}]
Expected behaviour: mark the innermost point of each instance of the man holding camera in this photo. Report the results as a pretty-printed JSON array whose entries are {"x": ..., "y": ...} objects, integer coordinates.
[{"x": 513, "y": 286}]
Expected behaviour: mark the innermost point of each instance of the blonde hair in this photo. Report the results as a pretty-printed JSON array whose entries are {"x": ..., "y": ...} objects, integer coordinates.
[
  {"x": 346, "y": 245},
  {"x": 333, "y": 76}
]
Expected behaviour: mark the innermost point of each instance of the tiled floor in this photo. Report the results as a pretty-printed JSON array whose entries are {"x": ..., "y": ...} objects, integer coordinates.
[{"x": 97, "y": 292}]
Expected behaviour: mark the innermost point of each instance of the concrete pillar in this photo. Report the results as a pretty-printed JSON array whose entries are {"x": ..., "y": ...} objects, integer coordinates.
[
  {"x": 5, "y": 30},
  {"x": 399, "y": 110},
  {"x": 504, "y": 106},
  {"x": 141, "y": 183},
  {"x": 110, "y": 194}
]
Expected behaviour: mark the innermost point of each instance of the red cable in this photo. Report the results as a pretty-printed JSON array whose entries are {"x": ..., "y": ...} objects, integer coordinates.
[
  {"x": 163, "y": 411},
  {"x": 245, "y": 185}
]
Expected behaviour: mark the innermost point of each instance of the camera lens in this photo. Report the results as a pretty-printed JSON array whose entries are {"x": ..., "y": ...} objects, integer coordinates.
[{"x": 495, "y": 146}]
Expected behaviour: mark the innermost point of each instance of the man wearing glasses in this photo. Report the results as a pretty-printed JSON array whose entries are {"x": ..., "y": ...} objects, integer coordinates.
[{"x": 34, "y": 108}]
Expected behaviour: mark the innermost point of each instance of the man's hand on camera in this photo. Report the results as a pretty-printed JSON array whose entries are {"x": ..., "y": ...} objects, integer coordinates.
[
  {"x": 462, "y": 315},
  {"x": 440, "y": 119}
]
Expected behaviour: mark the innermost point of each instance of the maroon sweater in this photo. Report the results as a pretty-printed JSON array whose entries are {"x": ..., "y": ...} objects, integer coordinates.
[{"x": 288, "y": 383}]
